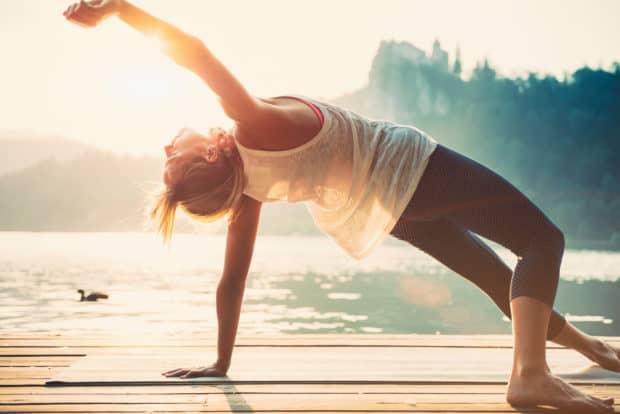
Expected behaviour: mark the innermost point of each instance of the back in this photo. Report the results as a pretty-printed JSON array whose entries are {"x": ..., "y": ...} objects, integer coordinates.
[{"x": 356, "y": 175}]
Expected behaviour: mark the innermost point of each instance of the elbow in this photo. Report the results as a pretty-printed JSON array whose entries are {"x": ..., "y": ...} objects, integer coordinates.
[{"x": 230, "y": 287}]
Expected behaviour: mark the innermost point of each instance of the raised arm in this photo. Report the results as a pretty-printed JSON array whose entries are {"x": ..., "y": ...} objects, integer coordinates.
[
  {"x": 229, "y": 295},
  {"x": 185, "y": 49}
]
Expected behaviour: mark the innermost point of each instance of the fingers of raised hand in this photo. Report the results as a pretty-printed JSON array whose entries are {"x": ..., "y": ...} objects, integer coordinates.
[
  {"x": 69, "y": 10},
  {"x": 82, "y": 14},
  {"x": 95, "y": 3}
]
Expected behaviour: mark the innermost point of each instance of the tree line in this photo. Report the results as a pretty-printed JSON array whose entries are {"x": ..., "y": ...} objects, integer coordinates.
[{"x": 557, "y": 140}]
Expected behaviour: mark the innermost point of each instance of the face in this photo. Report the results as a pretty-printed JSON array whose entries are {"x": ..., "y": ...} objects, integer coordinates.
[{"x": 185, "y": 145}]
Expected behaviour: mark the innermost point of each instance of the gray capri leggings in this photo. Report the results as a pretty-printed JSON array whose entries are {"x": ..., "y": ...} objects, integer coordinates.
[{"x": 458, "y": 197}]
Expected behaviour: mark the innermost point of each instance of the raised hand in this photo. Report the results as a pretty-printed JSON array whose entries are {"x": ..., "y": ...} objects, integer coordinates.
[
  {"x": 91, "y": 13},
  {"x": 211, "y": 371}
]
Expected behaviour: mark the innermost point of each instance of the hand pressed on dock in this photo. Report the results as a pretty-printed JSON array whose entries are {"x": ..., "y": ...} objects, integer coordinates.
[{"x": 213, "y": 370}]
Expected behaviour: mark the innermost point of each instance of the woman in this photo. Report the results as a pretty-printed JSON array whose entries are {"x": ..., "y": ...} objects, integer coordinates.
[{"x": 361, "y": 180}]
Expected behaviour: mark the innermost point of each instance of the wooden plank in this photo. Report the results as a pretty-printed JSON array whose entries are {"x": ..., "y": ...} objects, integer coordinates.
[
  {"x": 250, "y": 403},
  {"x": 351, "y": 340},
  {"x": 266, "y": 389},
  {"x": 22, "y": 376},
  {"x": 28, "y": 372},
  {"x": 43, "y": 352},
  {"x": 465, "y": 394},
  {"x": 37, "y": 360},
  {"x": 427, "y": 393},
  {"x": 98, "y": 410},
  {"x": 22, "y": 382},
  {"x": 288, "y": 389},
  {"x": 200, "y": 398},
  {"x": 258, "y": 403},
  {"x": 255, "y": 403}
]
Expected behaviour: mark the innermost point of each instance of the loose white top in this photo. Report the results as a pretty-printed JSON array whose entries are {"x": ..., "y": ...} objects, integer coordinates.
[{"x": 355, "y": 176}]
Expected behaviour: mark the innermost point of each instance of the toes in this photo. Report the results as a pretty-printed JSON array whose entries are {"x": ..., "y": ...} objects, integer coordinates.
[
  {"x": 616, "y": 352},
  {"x": 593, "y": 408},
  {"x": 585, "y": 404},
  {"x": 609, "y": 401},
  {"x": 601, "y": 405}
]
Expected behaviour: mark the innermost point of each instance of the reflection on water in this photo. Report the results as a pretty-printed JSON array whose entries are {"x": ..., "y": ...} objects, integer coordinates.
[{"x": 296, "y": 285}]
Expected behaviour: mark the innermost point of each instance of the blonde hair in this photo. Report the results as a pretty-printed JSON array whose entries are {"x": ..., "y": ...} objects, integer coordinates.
[{"x": 195, "y": 192}]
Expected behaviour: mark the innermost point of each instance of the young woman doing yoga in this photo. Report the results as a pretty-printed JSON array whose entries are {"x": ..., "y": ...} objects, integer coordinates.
[{"x": 361, "y": 180}]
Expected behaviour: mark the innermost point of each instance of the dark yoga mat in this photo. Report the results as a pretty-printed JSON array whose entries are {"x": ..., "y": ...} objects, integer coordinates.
[{"x": 323, "y": 365}]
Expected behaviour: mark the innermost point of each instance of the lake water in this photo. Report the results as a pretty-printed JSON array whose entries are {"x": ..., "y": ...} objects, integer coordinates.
[{"x": 296, "y": 285}]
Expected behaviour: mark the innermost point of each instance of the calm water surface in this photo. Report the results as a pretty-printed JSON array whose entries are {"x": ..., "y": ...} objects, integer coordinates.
[{"x": 296, "y": 285}]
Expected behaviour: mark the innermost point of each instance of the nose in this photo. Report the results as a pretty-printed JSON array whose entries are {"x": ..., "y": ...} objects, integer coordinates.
[{"x": 168, "y": 149}]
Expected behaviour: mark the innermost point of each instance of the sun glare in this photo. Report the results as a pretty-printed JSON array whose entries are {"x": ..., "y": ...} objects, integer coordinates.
[
  {"x": 156, "y": 41},
  {"x": 139, "y": 85}
]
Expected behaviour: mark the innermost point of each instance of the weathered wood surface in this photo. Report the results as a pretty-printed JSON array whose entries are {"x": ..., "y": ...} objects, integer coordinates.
[
  {"x": 297, "y": 340},
  {"x": 23, "y": 376}
]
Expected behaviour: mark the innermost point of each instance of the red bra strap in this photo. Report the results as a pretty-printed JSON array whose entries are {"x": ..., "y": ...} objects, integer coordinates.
[{"x": 315, "y": 108}]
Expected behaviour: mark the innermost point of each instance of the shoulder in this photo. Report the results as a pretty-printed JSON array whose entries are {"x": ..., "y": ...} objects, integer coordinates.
[
  {"x": 276, "y": 124},
  {"x": 265, "y": 118}
]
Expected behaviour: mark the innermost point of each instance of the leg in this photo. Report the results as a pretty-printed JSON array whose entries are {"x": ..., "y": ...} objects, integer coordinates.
[
  {"x": 465, "y": 192},
  {"x": 531, "y": 383},
  {"x": 466, "y": 254}
]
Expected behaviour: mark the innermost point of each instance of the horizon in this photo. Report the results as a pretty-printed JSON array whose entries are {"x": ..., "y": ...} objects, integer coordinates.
[{"x": 111, "y": 88}]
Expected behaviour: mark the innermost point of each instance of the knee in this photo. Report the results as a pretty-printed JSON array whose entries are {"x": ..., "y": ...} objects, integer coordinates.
[{"x": 549, "y": 239}]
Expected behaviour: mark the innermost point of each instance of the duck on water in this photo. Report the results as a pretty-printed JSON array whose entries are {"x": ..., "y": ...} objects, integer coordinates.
[{"x": 93, "y": 297}]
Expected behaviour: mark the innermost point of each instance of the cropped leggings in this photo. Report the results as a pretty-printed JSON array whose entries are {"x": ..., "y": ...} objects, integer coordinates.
[{"x": 457, "y": 197}]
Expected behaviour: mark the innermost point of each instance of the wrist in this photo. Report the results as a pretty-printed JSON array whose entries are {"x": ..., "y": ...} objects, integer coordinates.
[
  {"x": 121, "y": 7},
  {"x": 222, "y": 364}
]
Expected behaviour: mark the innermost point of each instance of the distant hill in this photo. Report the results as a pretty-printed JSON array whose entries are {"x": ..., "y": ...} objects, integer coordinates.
[
  {"x": 19, "y": 150},
  {"x": 93, "y": 192},
  {"x": 101, "y": 191}
]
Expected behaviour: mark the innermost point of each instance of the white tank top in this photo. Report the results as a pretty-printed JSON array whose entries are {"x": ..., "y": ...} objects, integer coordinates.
[{"x": 355, "y": 176}]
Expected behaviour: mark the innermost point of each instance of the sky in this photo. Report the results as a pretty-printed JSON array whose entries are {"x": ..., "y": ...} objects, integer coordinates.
[{"x": 113, "y": 88}]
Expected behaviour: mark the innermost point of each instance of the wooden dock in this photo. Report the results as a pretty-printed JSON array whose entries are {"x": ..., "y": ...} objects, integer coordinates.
[{"x": 28, "y": 362}]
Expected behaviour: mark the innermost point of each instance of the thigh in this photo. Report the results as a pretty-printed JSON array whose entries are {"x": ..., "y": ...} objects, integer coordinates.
[{"x": 462, "y": 190}]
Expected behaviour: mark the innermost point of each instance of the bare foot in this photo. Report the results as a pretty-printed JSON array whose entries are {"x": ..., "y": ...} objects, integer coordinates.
[
  {"x": 549, "y": 390},
  {"x": 605, "y": 355}
]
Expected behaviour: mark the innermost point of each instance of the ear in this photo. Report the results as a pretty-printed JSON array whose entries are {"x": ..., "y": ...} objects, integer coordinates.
[{"x": 211, "y": 154}]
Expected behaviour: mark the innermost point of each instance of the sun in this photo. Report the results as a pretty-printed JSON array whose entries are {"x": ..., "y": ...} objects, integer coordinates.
[
  {"x": 142, "y": 85},
  {"x": 150, "y": 77},
  {"x": 131, "y": 96}
]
